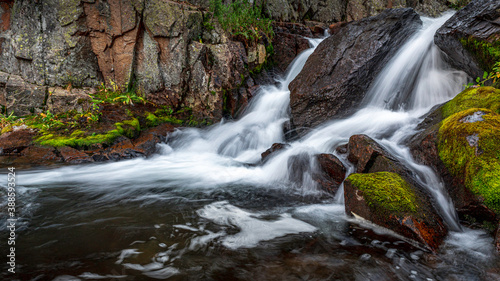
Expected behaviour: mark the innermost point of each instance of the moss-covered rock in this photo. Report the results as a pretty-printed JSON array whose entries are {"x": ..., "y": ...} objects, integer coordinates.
[
  {"x": 482, "y": 97},
  {"x": 468, "y": 146},
  {"x": 387, "y": 192},
  {"x": 390, "y": 201}
]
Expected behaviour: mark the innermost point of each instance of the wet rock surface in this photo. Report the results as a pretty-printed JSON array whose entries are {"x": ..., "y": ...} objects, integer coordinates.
[
  {"x": 337, "y": 75},
  {"x": 332, "y": 172},
  {"x": 276, "y": 147},
  {"x": 463, "y": 36}
]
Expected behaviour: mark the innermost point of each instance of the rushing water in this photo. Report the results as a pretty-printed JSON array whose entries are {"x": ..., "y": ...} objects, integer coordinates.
[{"x": 201, "y": 209}]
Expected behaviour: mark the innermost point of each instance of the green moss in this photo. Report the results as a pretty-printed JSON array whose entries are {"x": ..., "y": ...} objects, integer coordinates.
[
  {"x": 486, "y": 53},
  {"x": 471, "y": 152},
  {"x": 153, "y": 120},
  {"x": 386, "y": 191},
  {"x": 129, "y": 128},
  {"x": 482, "y": 97},
  {"x": 77, "y": 141}
]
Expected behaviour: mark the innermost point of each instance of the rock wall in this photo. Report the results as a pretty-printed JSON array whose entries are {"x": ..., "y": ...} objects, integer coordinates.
[{"x": 158, "y": 46}]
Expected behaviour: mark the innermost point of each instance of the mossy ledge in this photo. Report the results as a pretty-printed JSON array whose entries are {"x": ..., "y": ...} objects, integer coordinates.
[
  {"x": 482, "y": 97},
  {"x": 387, "y": 192},
  {"x": 468, "y": 144}
]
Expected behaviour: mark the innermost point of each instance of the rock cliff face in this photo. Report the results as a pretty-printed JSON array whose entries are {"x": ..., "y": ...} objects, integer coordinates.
[
  {"x": 337, "y": 75},
  {"x": 159, "y": 47}
]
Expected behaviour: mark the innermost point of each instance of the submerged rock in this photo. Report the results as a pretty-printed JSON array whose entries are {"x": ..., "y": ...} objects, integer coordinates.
[
  {"x": 337, "y": 75},
  {"x": 471, "y": 38},
  {"x": 386, "y": 199}
]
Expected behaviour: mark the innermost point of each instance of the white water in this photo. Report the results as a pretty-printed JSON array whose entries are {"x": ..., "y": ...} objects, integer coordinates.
[{"x": 414, "y": 80}]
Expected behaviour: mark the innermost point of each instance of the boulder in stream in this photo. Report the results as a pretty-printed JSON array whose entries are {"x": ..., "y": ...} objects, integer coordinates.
[
  {"x": 385, "y": 192},
  {"x": 337, "y": 75}
]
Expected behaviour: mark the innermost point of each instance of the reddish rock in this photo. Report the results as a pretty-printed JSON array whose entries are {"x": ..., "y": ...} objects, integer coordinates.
[
  {"x": 332, "y": 172},
  {"x": 334, "y": 28},
  {"x": 271, "y": 151},
  {"x": 73, "y": 156},
  {"x": 16, "y": 141},
  {"x": 425, "y": 227},
  {"x": 289, "y": 41},
  {"x": 148, "y": 139},
  {"x": 363, "y": 153},
  {"x": 40, "y": 155},
  {"x": 123, "y": 149}
]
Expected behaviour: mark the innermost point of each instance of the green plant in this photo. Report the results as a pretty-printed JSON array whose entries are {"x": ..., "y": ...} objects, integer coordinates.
[
  {"x": 242, "y": 19},
  {"x": 49, "y": 120},
  {"x": 493, "y": 77},
  {"x": 7, "y": 120}
]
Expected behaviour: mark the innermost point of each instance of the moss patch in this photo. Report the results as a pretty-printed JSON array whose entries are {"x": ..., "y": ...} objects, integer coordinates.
[
  {"x": 80, "y": 140},
  {"x": 470, "y": 150},
  {"x": 386, "y": 191},
  {"x": 482, "y": 97}
]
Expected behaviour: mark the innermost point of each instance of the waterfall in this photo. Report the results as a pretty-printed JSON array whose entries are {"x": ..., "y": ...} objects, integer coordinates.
[{"x": 413, "y": 81}]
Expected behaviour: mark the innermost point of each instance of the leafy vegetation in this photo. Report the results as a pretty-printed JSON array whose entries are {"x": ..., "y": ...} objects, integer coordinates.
[
  {"x": 242, "y": 19},
  {"x": 458, "y": 4},
  {"x": 488, "y": 56}
]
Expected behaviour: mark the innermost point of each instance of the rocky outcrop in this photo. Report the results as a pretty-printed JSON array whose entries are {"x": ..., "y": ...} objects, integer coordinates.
[
  {"x": 266, "y": 155},
  {"x": 337, "y": 75},
  {"x": 451, "y": 141},
  {"x": 471, "y": 38}
]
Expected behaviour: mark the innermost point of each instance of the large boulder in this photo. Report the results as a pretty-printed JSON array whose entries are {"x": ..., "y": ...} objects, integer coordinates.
[
  {"x": 337, "y": 75},
  {"x": 457, "y": 141},
  {"x": 471, "y": 38}
]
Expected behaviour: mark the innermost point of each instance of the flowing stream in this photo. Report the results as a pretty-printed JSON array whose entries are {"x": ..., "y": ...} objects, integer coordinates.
[{"x": 203, "y": 208}]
